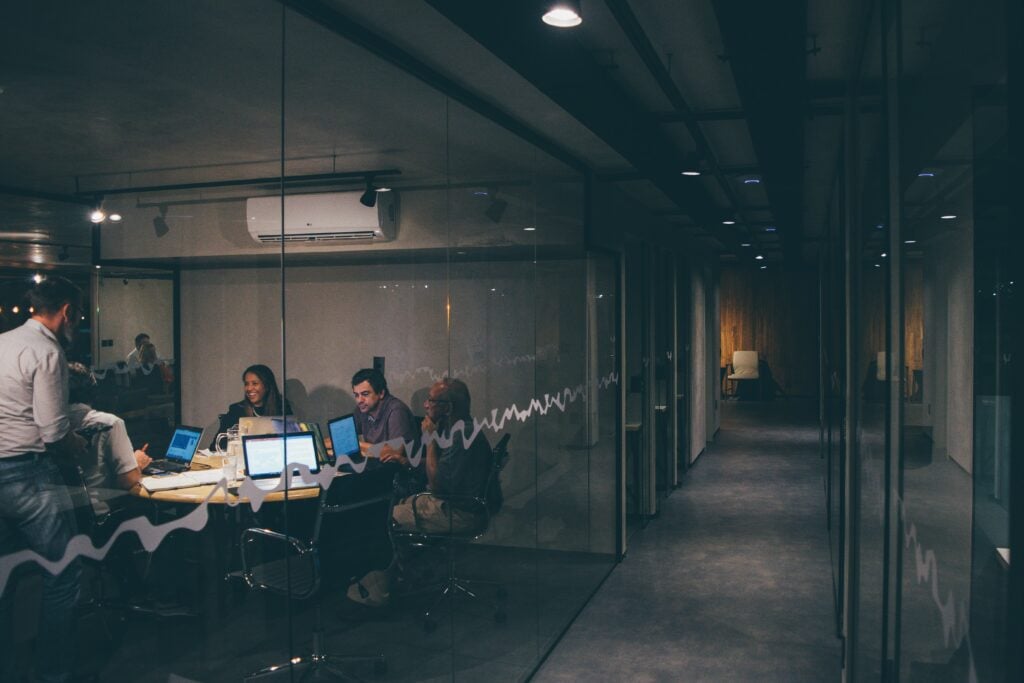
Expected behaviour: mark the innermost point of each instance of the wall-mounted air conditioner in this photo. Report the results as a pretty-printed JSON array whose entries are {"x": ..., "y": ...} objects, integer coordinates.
[{"x": 326, "y": 217}]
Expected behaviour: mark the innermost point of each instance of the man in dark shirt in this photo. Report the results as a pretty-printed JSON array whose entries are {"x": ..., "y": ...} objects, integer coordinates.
[
  {"x": 455, "y": 468},
  {"x": 384, "y": 423}
]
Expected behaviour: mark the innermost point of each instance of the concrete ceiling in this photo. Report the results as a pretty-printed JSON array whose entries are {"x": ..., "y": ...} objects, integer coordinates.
[{"x": 116, "y": 94}]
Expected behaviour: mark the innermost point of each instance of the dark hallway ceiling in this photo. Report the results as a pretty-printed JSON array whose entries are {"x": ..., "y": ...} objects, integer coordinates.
[{"x": 639, "y": 92}]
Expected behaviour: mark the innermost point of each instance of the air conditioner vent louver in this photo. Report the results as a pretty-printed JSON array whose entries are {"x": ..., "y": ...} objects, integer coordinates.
[{"x": 322, "y": 218}]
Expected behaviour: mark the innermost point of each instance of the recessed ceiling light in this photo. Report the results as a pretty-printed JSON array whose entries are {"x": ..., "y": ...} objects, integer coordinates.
[
  {"x": 97, "y": 215},
  {"x": 563, "y": 14},
  {"x": 115, "y": 218},
  {"x": 529, "y": 228},
  {"x": 878, "y": 265},
  {"x": 752, "y": 181},
  {"x": 764, "y": 267},
  {"x": 98, "y": 267},
  {"x": 759, "y": 257},
  {"x": 728, "y": 222},
  {"x": 770, "y": 228},
  {"x": 909, "y": 241},
  {"x": 691, "y": 173},
  {"x": 879, "y": 226},
  {"x": 745, "y": 244},
  {"x": 383, "y": 189},
  {"x": 884, "y": 254},
  {"x": 926, "y": 174},
  {"x": 948, "y": 216}
]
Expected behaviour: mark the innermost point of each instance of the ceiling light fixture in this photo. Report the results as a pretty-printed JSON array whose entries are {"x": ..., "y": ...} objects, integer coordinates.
[
  {"x": 752, "y": 180},
  {"x": 529, "y": 228},
  {"x": 115, "y": 217},
  {"x": 97, "y": 215},
  {"x": 369, "y": 196},
  {"x": 745, "y": 244},
  {"x": 926, "y": 174},
  {"x": 728, "y": 222},
  {"x": 37, "y": 278},
  {"x": 948, "y": 216},
  {"x": 770, "y": 228},
  {"x": 563, "y": 14},
  {"x": 759, "y": 257},
  {"x": 764, "y": 267},
  {"x": 691, "y": 172},
  {"x": 909, "y": 241}
]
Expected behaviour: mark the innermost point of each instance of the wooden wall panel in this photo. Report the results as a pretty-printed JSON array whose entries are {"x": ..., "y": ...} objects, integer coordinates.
[
  {"x": 913, "y": 315},
  {"x": 776, "y": 314}
]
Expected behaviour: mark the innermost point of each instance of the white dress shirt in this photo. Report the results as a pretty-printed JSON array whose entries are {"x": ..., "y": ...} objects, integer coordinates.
[{"x": 33, "y": 390}]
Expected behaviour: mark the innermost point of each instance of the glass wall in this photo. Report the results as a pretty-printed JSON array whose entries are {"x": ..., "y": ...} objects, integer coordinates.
[
  {"x": 293, "y": 208},
  {"x": 921, "y": 515}
]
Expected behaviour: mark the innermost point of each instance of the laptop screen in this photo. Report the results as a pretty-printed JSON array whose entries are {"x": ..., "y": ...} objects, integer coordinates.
[
  {"x": 265, "y": 453},
  {"x": 183, "y": 444},
  {"x": 343, "y": 435}
]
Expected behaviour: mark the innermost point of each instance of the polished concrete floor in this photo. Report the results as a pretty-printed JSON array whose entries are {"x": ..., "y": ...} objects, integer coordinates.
[{"x": 732, "y": 582}]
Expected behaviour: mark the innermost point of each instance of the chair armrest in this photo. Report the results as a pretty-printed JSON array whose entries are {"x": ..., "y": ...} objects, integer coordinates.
[{"x": 251, "y": 535}]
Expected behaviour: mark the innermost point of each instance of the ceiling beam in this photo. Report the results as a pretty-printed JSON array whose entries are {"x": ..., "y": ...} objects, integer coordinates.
[
  {"x": 765, "y": 43},
  {"x": 514, "y": 33},
  {"x": 630, "y": 25}
]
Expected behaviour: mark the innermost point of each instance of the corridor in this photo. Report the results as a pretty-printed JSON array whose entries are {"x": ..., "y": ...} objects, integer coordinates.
[{"x": 732, "y": 581}]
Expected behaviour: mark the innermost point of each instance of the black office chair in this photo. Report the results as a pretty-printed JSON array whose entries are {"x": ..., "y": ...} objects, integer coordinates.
[
  {"x": 288, "y": 566},
  {"x": 482, "y": 506}
]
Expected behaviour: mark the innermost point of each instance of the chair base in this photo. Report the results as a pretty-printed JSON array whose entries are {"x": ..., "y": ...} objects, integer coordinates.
[
  {"x": 455, "y": 587},
  {"x": 319, "y": 665}
]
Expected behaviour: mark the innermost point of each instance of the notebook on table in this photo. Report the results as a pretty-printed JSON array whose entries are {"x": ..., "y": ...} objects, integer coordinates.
[
  {"x": 265, "y": 456},
  {"x": 179, "y": 453}
]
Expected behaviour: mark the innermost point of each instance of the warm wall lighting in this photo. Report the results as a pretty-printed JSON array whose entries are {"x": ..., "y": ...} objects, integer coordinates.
[{"x": 563, "y": 14}]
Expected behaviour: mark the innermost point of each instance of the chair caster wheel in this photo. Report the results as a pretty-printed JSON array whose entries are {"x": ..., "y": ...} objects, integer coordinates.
[
  {"x": 429, "y": 625},
  {"x": 501, "y": 593},
  {"x": 380, "y": 667},
  {"x": 500, "y": 616}
]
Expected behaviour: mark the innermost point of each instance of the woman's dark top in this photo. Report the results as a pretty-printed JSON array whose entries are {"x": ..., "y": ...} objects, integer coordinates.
[
  {"x": 152, "y": 381},
  {"x": 236, "y": 411}
]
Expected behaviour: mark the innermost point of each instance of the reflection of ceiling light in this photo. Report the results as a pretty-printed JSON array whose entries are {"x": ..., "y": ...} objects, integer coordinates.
[
  {"x": 691, "y": 173},
  {"x": 926, "y": 174},
  {"x": 909, "y": 241},
  {"x": 764, "y": 267},
  {"x": 529, "y": 228},
  {"x": 563, "y": 14},
  {"x": 98, "y": 267},
  {"x": 879, "y": 226},
  {"x": 115, "y": 218},
  {"x": 727, "y": 222},
  {"x": 97, "y": 215},
  {"x": 770, "y": 228},
  {"x": 745, "y": 244},
  {"x": 759, "y": 257},
  {"x": 948, "y": 216},
  {"x": 752, "y": 181}
]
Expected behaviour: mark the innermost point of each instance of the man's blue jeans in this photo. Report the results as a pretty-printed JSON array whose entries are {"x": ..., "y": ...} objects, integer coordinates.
[{"x": 36, "y": 511}]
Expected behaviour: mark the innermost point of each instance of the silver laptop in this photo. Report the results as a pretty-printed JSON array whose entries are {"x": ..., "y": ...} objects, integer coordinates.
[{"x": 265, "y": 456}]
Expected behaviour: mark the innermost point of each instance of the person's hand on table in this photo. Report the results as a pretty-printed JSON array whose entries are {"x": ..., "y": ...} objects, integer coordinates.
[
  {"x": 390, "y": 454},
  {"x": 142, "y": 458}
]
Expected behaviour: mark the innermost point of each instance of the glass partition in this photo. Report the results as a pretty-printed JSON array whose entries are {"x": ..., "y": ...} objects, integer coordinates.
[{"x": 292, "y": 209}]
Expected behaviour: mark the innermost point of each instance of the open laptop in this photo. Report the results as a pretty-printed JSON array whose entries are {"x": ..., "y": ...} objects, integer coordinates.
[
  {"x": 179, "y": 453},
  {"x": 265, "y": 458},
  {"x": 344, "y": 440}
]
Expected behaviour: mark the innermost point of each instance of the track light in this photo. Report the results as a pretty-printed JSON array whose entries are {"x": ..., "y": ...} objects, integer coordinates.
[
  {"x": 562, "y": 14},
  {"x": 369, "y": 197},
  {"x": 497, "y": 207}
]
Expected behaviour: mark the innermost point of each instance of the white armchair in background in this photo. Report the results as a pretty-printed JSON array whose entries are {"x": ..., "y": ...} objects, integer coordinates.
[{"x": 744, "y": 368}]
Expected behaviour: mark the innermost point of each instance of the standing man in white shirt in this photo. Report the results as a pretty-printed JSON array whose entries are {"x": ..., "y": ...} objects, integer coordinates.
[
  {"x": 134, "y": 360},
  {"x": 35, "y": 508}
]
